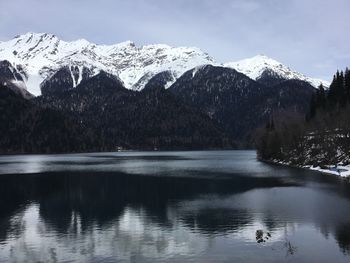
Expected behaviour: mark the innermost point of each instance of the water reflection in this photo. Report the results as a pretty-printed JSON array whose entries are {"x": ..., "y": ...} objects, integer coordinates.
[
  {"x": 142, "y": 163},
  {"x": 201, "y": 217}
]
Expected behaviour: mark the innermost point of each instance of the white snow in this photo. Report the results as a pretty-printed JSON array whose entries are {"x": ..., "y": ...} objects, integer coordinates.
[
  {"x": 72, "y": 76},
  {"x": 196, "y": 69},
  {"x": 33, "y": 84},
  {"x": 339, "y": 170},
  {"x": 343, "y": 171},
  {"x": 255, "y": 66},
  {"x": 42, "y": 54},
  {"x": 80, "y": 78}
]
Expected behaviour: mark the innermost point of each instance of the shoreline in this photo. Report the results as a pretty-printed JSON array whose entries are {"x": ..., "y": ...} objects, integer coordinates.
[
  {"x": 342, "y": 171},
  {"x": 339, "y": 170}
]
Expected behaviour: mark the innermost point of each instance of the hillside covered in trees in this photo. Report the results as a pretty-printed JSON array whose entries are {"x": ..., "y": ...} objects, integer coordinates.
[
  {"x": 320, "y": 138},
  {"x": 26, "y": 127},
  {"x": 102, "y": 115}
]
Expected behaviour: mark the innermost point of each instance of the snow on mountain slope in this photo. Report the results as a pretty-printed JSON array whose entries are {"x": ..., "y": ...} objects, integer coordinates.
[
  {"x": 41, "y": 55},
  {"x": 256, "y": 66},
  {"x": 12, "y": 77}
]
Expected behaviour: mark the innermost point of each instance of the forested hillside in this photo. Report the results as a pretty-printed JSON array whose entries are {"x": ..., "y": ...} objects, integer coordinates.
[
  {"x": 102, "y": 115},
  {"x": 320, "y": 138},
  {"x": 26, "y": 127}
]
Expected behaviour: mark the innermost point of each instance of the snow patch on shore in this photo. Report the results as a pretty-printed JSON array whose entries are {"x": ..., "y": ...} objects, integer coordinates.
[
  {"x": 343, "y": 171},
  {"x": 339, "y": 170}
]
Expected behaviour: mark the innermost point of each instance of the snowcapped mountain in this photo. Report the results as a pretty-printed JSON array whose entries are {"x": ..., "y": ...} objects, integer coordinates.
[
  {"x": 46, "y": 62},
  {"x": 261, "y": 66},
  {"x": 41, "y": 55}
]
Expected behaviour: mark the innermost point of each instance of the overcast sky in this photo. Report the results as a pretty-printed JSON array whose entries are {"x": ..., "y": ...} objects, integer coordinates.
[{"x": 310, "y": 36}]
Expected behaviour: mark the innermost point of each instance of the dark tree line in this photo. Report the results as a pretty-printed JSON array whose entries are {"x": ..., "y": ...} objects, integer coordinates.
[
  {"x": 25, "y": 127},
  {"x": 214, "y": 108},
  {"x": 334, "y": 99},
  {"x": 153, "y": 118},
  {"x": 320, "y": 137},
  {"x": 102, "y": 115}
]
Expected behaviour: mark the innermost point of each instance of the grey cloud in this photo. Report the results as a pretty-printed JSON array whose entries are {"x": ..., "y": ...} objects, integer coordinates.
[{"x": 308, "y": 35}]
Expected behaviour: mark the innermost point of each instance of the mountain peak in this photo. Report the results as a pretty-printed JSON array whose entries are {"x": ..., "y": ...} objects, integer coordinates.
[
  {"x": 127, "y": 43},
  {"x": 260, "y": 60},
  {"x": 28, "y": 34},
  {"x": 42, "y": 54},
  {"x": 258, "y": 65},
  {"x": 261, "y": 55},
  {"x": 32, "y": 36}
]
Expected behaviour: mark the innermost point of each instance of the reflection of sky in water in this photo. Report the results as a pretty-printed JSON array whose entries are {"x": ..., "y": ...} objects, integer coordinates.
[
  {"x": 155, "y": 163},
  {"x": 133, "y": 235},
  {"x": 136, "y": 236},
  {"x": 89, "y": 218}
]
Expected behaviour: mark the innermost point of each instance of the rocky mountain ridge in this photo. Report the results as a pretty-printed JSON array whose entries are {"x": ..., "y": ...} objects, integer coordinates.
[{"x": 41, "y": 56}]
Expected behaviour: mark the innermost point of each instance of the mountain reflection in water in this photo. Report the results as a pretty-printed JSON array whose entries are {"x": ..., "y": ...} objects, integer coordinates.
[{"x": 139, "y": 213}]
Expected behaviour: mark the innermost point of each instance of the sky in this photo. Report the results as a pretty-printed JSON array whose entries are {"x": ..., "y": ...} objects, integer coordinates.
[{"x": 310, "y": 36}]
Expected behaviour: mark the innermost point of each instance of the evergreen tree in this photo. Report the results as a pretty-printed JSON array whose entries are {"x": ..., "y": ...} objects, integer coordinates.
[
  {"x": 347, "y": 84},
  {"x": 341, "y": 92},
  {"x": 332, "y": 92},
  {"x": 321, "y": 99},
  {"x": 313, "y": 105},
  {"x": 272, "y": 124},
  {"x": 319, "y": 140},
  {"x": 337, "y": 95},
  {"x": 318, "y": 101}
]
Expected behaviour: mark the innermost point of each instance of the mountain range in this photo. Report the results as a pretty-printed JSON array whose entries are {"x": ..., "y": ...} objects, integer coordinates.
[
  {"x": 39, "y": 56},
  {"x": 97, "y": 98}
]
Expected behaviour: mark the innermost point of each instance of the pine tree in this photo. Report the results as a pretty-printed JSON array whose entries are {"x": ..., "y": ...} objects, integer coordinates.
[
  {"x": 347, "y": 84},
  {"x": 272, "y": 124},
  {"x": 337, "y": 93},
  {"x": 313, "y": 105},
  {"x": 321, "y": 100},
  {"x": 341, "y": 92},
  {"x": 332, "y": 92}
]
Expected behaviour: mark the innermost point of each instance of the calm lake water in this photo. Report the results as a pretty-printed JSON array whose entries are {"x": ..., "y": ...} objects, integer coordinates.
[{"x": 207, "y": 206}]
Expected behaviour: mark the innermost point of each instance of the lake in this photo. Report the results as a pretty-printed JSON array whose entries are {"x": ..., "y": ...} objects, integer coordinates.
[{"x": 201, "y": 206}]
